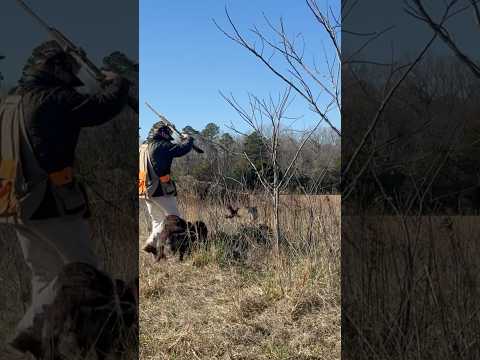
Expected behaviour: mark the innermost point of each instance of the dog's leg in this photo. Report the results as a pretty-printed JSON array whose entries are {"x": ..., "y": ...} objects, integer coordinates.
[{"x": 160, "y": 254}]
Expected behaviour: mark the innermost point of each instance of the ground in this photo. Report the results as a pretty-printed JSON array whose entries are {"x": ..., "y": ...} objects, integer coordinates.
[
  {"x": 264, "y": 306},
  {"x": 212, "y": 313}
]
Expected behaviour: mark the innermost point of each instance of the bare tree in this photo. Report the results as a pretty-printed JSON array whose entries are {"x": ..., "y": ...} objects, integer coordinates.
[
  {"x": 366, "y": 148},
  {"x": 270, "y": 114},
  {"x": 453, "y": 8},
  {"x": 417, "y": 9},
  {"x": 320, "y": 88}
]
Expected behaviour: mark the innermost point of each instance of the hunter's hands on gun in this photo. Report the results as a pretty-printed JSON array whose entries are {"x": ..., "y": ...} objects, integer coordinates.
[
  {"x": 109, "y": 75},
  {"x": 183, "y": 136}
]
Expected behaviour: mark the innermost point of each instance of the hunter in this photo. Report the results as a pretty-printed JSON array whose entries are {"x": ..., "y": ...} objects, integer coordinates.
[
  {"x": 161, "y": 192},
  {"x": 54, "y": 230}
]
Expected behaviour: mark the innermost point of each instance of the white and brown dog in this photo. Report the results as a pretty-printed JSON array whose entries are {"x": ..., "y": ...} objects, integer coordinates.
[{"x": 177, "y": 236}]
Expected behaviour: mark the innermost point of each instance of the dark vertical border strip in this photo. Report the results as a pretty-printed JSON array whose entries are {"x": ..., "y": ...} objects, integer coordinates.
[
  {"x": 410, "y": 194},
  {"x": 106, "y": 163}
]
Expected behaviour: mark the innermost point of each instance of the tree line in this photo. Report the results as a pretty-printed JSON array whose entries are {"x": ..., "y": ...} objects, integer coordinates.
[
  {"x": 233, "y": 160},
  {"x": 423, "y": 154}
]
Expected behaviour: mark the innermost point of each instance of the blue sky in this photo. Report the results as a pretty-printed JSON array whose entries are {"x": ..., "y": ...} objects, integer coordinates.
[
  {"x": 185, "y": 61},
  {"x": 96, "y": 33}
]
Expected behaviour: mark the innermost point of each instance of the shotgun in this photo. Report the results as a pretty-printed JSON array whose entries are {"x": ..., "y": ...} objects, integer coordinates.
[
  {"x": 78, "y": 53},
  {"x": 165, "y": 121}
]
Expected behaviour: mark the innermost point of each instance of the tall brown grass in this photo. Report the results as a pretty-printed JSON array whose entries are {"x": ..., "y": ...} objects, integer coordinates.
[{"x": 410, "y": 287}]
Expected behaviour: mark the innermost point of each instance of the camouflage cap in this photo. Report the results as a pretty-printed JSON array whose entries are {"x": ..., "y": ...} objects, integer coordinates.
[
  {"x": 48, "y": 51},
  {"x": 51, "y": 53},
  {"x": 159, "y": 129}
]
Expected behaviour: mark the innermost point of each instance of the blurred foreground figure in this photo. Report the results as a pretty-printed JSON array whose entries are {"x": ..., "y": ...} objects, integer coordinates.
[
  {"x": 156, "y": 157},
  {"x": 39, "y": 191}
]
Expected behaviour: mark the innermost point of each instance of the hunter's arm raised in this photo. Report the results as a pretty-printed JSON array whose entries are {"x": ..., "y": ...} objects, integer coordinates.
[
  {"x": 96, "y": 109},
  {"x": 181, "y": 149}
]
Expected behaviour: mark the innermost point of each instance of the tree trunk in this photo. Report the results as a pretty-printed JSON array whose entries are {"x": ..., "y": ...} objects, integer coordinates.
[{"x": 276, "y": 220}]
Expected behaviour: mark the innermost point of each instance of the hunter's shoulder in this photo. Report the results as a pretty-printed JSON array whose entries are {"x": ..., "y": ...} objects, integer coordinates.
[
  {"x": 67, "y": 92},
  {"x": 160, "y": 145},
  {"x": 47, "y": 96},
  {"x": 59, "y": 95}
]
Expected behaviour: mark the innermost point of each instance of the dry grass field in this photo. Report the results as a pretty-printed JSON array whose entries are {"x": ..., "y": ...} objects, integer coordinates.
[
  {"x": 411, "y": 287},
  {"x": 254, "y": 305}
]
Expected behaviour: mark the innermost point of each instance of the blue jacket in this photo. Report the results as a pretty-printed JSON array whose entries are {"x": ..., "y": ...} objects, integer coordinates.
[{"x": 163, "y": 151}]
